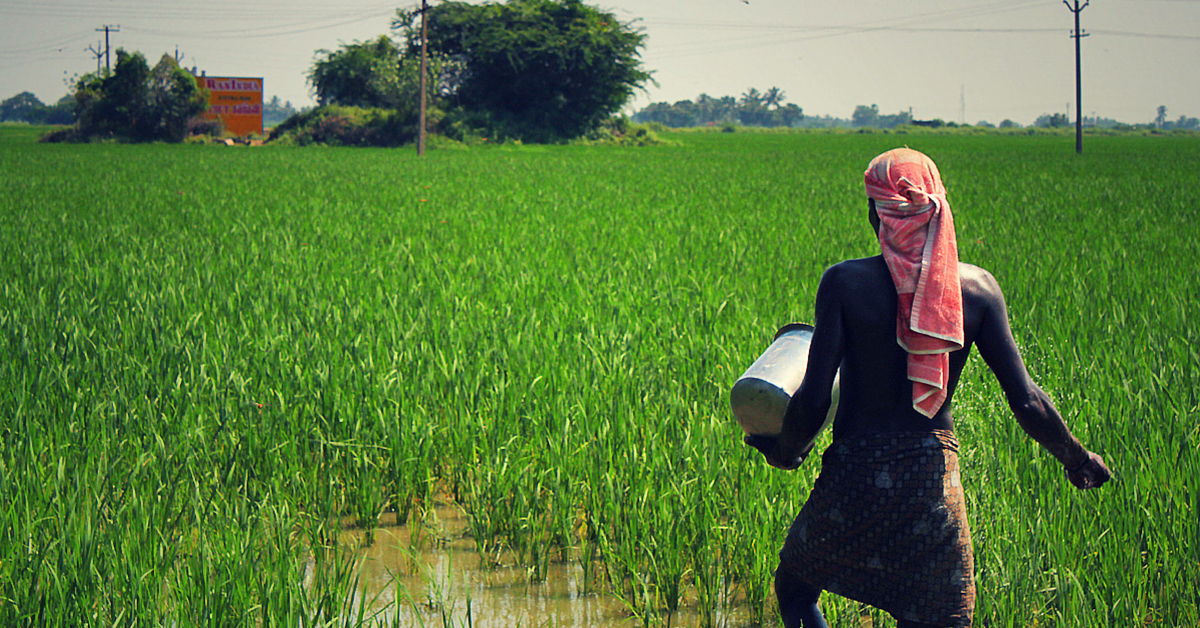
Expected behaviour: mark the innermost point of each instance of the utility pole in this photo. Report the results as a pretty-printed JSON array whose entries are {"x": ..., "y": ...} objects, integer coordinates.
[
  {"x": 424, "y": 55},
  {"x": 99, "y": 54},
  {"x": 962, "y": 104},
  {"x": 116, "y": 29},
  {"x": 1078, "y": 76}
]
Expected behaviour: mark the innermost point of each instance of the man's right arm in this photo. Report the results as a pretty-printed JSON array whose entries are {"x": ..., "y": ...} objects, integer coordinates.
[
  {"x": 1032, "y": 407},
  {"x": 806, "y": 412}
]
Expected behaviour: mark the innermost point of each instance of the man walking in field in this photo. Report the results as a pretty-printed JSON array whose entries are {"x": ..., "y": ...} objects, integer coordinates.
[{"x": 886, "y": 521}]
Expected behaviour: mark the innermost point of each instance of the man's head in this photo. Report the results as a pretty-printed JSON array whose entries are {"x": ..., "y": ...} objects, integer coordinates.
[{"x": 903, "y": 179}]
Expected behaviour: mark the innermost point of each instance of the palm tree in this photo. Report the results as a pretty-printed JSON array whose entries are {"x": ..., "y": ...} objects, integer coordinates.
[
  {"x": 752, "y": 97},
  {"x": 725, "y": 107},
  {"x": 774, "y": 98}
]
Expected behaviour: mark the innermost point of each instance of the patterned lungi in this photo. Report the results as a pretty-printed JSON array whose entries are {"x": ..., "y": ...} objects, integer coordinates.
[{"x": 886, "y": 524}]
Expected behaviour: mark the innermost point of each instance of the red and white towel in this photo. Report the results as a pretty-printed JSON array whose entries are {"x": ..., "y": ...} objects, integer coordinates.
[{"x": 916, "y": 233}]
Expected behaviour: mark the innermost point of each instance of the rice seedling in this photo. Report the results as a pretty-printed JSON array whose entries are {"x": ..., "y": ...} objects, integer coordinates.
[{"x": 211, "y": 358}]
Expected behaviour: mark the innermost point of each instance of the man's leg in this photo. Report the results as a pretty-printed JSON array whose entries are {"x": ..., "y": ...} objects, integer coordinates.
[{"x": 797, "y": 602}]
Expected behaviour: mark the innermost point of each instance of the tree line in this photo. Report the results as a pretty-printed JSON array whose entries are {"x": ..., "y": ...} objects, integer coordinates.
[
  {"x": 26, "y": 107},
  {"x": 748, "y": 110},
  {"x": 530, "y": 70},
  {"x": 754, "y": 108}
]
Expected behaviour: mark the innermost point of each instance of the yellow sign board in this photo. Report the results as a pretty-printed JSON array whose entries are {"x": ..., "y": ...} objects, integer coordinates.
[{"x": 236, "y": 102}]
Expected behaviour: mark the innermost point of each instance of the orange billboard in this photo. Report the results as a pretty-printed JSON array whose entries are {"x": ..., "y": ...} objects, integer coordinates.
[{"x": 236, "y": 102}]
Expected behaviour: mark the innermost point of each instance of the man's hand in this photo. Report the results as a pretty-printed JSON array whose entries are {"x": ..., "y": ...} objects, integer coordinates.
[
  {"x": 1093, "y": 473},
  {"x": 769, "y": 447}
]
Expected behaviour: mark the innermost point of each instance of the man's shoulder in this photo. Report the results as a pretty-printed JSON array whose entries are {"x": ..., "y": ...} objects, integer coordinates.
[
  {"x": 976, "y": 280},
  {"x": 857, "y": 267},
  {"x": 856, "y": 276}
]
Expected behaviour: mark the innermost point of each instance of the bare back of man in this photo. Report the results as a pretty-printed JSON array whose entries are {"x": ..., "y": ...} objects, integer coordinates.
[
  {"x": 855, "y": 331},
  {"x": 875, "y": 395}
]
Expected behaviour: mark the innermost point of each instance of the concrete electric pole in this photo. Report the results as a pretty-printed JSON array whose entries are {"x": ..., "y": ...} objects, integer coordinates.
[
  {"x": 424, "y": 62},
  {"x": 1078, "y": 76},
  {"x": 99, "y": 54},
  {"x": 108, "y": 57}
]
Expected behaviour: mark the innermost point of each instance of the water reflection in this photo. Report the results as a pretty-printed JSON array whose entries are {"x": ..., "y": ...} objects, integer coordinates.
[{"x": 430, "y": 575}]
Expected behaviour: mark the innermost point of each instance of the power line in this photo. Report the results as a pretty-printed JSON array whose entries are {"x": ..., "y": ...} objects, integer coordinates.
[
  {"x": 1147, "y": 35},
  {"x": 39, "y": 48},
  {"x": 233, "y": 12},
  {"x": 901, "y": 23},
  {"x": 250, "y": 33},
  {"x": 747, "y": 42}
]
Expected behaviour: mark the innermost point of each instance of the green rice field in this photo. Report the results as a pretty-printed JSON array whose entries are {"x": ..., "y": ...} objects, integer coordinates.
[{"x": 215, "y": 360}]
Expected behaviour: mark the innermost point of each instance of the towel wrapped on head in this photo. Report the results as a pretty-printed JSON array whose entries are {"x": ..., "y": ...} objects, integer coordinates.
[{"x": 916, "y": 234}]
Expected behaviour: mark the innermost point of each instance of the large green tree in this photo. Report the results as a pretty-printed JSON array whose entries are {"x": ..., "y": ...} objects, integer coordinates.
[
  {"x": 24, "y": 107},
  {"x": 539, "y": 70},
  {"x": 367, "y": 74},
  {"x": 137, "y": 102},
  {"x": 368, "y": 95}
]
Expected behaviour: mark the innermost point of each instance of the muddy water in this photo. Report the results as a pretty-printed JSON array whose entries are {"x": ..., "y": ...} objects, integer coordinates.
[{"x": 431, "y": 575}]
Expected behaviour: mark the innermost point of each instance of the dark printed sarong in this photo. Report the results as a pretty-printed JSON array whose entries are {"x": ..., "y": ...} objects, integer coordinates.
[{"x": 886, "y": 524}]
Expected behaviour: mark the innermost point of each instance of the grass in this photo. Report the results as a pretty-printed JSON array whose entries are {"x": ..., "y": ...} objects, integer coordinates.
[{"x": 212, "y": 356}]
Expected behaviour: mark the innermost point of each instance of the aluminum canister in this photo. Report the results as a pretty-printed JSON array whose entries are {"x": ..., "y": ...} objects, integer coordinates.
[{"x": 760, "y": 397}]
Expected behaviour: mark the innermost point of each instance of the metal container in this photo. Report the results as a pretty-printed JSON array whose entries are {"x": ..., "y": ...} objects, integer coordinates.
[{"x": 759, "y": 398}]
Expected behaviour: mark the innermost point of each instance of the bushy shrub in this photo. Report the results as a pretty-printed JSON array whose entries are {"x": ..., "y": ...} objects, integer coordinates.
[
  {"x": 622, "y": 132},
  {"x": 335, "y": 125},
  {"x": 137, "y": 103},
  {"x": 67, "y": 134}
]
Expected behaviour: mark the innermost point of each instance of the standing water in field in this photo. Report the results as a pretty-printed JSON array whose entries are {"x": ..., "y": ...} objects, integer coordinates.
[{"x": 430, "y": 574}]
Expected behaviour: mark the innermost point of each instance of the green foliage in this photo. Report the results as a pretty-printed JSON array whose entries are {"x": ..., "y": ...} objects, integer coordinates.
[
  {"x": 26, "y": 107},
  {"x": 753, "y": 109},
  {"x": 370, "y": 83},
  {"x": 535, "y": 70},
  {"x": 61, "y": 112},
  {"x": 619, "y": 131},
  {"x": 1053, "y": 121},
  {"x": 276, "y": 111},
  {"x": 137, "y": 103},
  {"x": 869, "y": 116},
  {"x": 335, "y": 125},
  {"x": 370, "y": 74}
]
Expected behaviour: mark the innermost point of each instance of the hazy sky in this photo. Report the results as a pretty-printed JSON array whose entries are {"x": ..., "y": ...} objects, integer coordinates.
[{"x": 955, "y": 60}]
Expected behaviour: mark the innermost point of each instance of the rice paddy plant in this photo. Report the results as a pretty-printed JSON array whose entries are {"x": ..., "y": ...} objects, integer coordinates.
[{"x": 211, "y": 358}]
